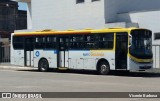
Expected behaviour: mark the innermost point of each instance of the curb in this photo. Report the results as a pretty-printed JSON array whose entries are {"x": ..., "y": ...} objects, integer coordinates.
[{"x": 16, "y": 67}]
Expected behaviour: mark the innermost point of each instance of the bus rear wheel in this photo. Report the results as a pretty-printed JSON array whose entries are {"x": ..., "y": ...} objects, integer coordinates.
[
  {"x": 43, "y": 65},
  {"x": 103, "y": 68}
]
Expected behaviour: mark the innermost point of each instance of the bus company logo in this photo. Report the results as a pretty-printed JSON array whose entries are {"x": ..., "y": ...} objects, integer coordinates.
[
  {"x": 55, "y": 51},
  {"x": 6, "y": 95},
  {"x": 93, "y": 54},
  {"x": 37, "y": 53},
  {"x": 21, "y": 95}
]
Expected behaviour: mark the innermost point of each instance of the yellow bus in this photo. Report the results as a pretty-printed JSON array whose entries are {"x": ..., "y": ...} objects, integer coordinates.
[{"x": 102, "y": 50}]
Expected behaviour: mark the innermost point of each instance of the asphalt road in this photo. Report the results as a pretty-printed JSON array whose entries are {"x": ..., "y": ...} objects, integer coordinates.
[{"x": 29, "y": 80}]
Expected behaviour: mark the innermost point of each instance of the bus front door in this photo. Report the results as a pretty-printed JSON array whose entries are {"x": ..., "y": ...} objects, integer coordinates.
[
  {"x": 28, "y": 52},
  {"x": 62, "y": 55},
  {"x": 121, "y": 50}
]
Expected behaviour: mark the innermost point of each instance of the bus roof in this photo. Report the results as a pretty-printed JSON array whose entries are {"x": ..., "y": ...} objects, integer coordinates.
[{"x": 71, "y": 31}]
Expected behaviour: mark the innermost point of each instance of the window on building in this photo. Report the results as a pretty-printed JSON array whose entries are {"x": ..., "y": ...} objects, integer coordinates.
[
  {"x": 95, "y": 0},
  {"x": 157, "y": 36},
  {"x": 79, "y": 1}
]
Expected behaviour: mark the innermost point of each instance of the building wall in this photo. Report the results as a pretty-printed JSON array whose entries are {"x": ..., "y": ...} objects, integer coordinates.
[
  {"x": 66, "y": 14},
  {"x": 29, "y": 15},
  {"x": 137, "y": 5},
  {"x": 8, "y": 11},
  {"x": 110, "y": 8},
  {"x": 21, "y": 21},
  {"x": 114, "y": 7}
]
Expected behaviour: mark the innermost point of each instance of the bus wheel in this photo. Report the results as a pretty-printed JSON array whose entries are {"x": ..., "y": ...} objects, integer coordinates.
[
  {"x": 43, "y": 65},
  {"x": 103, "y": 68}
]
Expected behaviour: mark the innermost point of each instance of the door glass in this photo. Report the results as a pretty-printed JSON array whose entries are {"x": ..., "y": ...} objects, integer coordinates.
[
  {"x": 29, "y": 44},
  {"x": 64, "y": 43},
  {"x": 121, "y": 50}
]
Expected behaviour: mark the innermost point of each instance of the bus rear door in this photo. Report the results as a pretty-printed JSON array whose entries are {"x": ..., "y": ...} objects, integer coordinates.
[
  {"x": 62, "y": 54},
  {"x": 29, "y": 52}
]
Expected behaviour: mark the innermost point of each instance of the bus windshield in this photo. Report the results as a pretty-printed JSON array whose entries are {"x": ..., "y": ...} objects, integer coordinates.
[{"x": 141, "y": 46}]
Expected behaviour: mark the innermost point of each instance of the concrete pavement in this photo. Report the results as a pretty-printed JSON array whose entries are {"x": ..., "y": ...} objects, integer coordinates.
[{"x": 25, "y": 79}]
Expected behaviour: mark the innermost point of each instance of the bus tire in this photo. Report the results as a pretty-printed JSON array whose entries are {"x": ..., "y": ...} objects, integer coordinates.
[
  {"x": 103, "y": 68},
  {"x": 43, "y": 65}
]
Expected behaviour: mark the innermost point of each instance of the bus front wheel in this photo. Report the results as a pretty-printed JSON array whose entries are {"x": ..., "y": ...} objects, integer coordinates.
[
  {"x": 43, "y": 65},
  {"x": 103, "y": 68}
]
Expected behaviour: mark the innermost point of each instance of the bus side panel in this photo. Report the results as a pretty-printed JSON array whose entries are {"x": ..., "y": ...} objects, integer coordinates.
[
  {"x": 13, "y": 55},
  {"x": 88, "y": 59},
  {"x": 90, "y": 63},
  {"x": 50, "y": 55},
  {"x": 12, "y": 51},
  {"x": 76, "y": 59},
  {"x": 135, "y": 66},
  {"x": 21, "y": 57},
  {"x": 110, "y": 57},
  {"x": 18, "y": 57},
  {"x": 81, "y": 60}
]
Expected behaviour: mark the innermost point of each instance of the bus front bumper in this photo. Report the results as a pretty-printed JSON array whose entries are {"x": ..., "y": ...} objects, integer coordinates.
[{"x": 135, "y": 66}]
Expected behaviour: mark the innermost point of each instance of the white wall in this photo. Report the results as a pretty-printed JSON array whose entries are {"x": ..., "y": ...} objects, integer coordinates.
[
  {"x": 137, "y": 5},
  {"x": 110, "y": 10},
  {"x": 29, "y": 15},
  {"x": 114, "y": 7},
  {"x": 66, "y": 14}
]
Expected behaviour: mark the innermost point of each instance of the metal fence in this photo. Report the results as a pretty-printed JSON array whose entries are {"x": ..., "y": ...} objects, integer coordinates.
[
  {"x": 156, "y": 56},
  {"x": 4, "y": 53}
]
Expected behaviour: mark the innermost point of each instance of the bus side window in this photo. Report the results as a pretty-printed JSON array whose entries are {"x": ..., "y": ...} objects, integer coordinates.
[
  {"x": 40, "y": 43},
  {"x": 106, "y": 41},
  {"x": 18, "y": 42},
  {"x": 50, "y": 42},
  {"x": 72, "y": 42},
  {"x": 76, "y": 42},
  {"x": 90, "y": 42}
]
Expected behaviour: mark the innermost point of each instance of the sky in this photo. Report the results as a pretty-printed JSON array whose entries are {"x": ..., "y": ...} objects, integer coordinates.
[{"x": 22, "y": 6}]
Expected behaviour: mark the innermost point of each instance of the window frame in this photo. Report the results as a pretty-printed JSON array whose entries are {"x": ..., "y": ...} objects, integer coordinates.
[
  {"x": 95, "y": 0},
  {"x": 157, "y": 36},
  {"x": 80, "y": 1}
]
